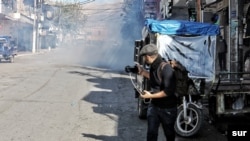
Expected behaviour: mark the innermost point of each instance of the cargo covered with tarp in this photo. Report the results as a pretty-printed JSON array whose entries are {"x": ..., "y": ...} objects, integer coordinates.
[{"x": 191, "y": 43}]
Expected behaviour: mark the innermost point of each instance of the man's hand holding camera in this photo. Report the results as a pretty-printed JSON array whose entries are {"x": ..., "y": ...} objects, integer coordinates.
[{"x": 140, "y": 69}]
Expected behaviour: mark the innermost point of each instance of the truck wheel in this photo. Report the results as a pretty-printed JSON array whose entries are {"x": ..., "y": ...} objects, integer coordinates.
[
  {"x": 142, "y": 109},
  {"x": 11, "y": 59},
  {"x": 190, "y": 126}
]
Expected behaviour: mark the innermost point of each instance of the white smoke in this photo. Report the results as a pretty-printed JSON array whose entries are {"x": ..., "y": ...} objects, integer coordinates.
[{"x": 110, "y": 32}]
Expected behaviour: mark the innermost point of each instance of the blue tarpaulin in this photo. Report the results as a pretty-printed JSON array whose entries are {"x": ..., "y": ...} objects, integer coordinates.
[
  {"x": 181, "y": 27},
  {"x": 195, "y": 51}
]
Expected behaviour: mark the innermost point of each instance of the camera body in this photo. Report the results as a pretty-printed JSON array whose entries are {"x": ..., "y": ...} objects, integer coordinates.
[{"x": 131, "y": 69}]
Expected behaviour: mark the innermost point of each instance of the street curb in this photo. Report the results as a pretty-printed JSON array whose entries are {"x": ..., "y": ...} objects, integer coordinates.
[{"x": 26, "y": 53}]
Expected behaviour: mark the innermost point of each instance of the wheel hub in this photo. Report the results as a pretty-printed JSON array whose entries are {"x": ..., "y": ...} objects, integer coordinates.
[{"x": 188, "y": 120}]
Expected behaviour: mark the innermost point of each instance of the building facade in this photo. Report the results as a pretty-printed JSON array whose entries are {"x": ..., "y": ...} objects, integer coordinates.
[{"x": 23, "y": 20}]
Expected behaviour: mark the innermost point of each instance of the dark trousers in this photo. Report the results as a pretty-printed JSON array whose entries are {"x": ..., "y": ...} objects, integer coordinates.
[
  {"x": 222, "y": 61},
  {"x": 165, "y": 117}
]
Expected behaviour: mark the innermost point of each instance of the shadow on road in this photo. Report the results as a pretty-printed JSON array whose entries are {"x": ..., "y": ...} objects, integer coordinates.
[
  {"x": 113, "y": 97},
  {"x": 100, "y": 137}
]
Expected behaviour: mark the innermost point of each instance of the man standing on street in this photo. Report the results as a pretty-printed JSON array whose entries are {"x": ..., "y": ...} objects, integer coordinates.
[
  {"x": 222, "y": 52},
  {"x": 163, "y": 107}
]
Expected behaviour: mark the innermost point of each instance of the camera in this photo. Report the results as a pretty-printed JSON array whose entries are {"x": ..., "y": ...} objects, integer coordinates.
[{"x": 132, "y": 69}]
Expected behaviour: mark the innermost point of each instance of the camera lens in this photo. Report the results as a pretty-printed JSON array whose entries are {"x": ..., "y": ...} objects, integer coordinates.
[
  {"x": 128, "y": 69},
  {"x": 131, "y": 69}
]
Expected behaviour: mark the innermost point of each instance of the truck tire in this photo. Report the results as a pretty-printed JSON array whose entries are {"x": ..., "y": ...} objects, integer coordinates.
[
  {"x": 188, "y": 127},
  {"x": 11, "y": 59},
  {"x": 142, "y": 108}
]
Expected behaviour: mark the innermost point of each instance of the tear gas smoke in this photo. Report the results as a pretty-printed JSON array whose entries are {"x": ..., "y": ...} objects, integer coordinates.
[{"x": 108, "y": 39}]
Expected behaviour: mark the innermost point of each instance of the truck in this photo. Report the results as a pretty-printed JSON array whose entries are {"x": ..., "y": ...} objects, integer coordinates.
[
  {"x": 193, "y": 44},
  {"x": 8, "y": 50}
]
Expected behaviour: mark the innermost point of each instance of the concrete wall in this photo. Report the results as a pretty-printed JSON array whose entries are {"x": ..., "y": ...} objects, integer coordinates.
[{"x": 6, "y": 27}]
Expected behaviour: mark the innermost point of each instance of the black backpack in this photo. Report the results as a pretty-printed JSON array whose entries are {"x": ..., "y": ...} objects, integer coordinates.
[{"x": 181, "y": 76}]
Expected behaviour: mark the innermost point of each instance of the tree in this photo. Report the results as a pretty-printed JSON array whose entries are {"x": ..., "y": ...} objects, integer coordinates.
[{"x": 70, "y": 17}]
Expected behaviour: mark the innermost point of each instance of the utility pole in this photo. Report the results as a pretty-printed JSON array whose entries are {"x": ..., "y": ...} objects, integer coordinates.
[
  {"x": 240, "y": 39},
  {"x": 34, "y": 28},
  {"x": 232, "y": 33},
  {"x": 236, "y": 35},
  {"x": 198, "y": 11}
]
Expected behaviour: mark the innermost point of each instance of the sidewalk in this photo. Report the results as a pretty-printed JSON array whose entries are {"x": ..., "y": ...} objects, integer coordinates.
[{"x": 26, "y": 53}]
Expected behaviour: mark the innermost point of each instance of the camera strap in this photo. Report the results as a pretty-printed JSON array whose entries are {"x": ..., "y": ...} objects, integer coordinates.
[{"x": 136, "y": 86}]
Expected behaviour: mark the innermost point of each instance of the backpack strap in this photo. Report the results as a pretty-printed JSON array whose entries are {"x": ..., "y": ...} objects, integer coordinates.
[{"x": 159, "y": 70}]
